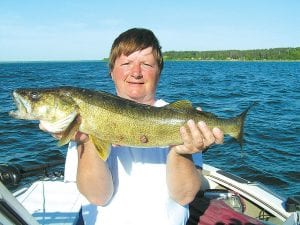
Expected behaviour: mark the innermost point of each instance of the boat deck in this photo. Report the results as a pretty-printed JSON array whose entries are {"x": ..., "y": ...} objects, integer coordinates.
[{"x": 54, "y": 202}]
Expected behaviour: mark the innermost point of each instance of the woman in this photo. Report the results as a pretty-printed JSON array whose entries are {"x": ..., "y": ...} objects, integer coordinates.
[{"x": 138, "y": 185}]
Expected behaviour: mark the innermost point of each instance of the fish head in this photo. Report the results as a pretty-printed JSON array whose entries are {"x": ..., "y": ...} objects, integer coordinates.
[{"x": 42, "y": 104}]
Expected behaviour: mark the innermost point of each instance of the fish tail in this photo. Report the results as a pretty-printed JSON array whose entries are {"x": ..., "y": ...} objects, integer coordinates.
[{"x": 240, "y": 120}]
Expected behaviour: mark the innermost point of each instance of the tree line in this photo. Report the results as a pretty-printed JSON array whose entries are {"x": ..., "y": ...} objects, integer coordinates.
[{"x": 257, "y": 54}]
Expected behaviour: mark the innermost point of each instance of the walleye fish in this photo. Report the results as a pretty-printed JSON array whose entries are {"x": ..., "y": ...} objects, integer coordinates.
[{"x": 109, "y": 119}]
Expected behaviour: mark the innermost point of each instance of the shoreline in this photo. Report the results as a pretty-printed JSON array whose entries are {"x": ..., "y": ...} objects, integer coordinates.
[
  {"x": 226, "y": 60},
  {"x": 165, "y": 60}
]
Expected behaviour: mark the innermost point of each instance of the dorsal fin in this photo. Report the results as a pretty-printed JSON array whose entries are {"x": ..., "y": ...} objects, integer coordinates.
[{"x": 181, "y": 105}]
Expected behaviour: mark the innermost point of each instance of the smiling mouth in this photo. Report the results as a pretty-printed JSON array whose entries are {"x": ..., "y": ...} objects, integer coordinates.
[{"x": 137, "y": 83}]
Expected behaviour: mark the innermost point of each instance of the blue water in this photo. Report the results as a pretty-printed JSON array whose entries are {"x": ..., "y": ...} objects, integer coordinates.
[{"x": 271, "y": 152}]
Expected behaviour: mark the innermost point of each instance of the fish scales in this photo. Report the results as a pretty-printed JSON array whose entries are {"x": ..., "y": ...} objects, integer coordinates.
[
  {"x": 109, "y": 119},
  {"x": 125, "y": 122},
  {"x": 122, "y": 122}
]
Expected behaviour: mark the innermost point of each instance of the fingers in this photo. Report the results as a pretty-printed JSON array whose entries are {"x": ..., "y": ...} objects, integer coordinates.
[
  {"x": 198, "y": 137},
  {"x": 219, "y": 135},
  {"x": 80, "y": 137},
  {"x": 41, "y": 126},
  {"x": 187, "y": 135},
  {"x": 207, "y": 134}
]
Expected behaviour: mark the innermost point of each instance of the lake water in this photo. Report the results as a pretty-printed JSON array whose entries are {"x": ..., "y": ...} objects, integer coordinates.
[{"x": 271, "y": 151}]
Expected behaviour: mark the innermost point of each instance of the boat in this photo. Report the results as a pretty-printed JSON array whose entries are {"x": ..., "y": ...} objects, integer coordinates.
[{"x": 53, "y": 200}]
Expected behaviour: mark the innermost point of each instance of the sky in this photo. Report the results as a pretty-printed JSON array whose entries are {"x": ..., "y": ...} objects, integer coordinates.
[{"x": 35, "y": 30}]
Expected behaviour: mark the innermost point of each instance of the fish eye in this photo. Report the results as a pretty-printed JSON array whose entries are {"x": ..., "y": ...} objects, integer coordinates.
[{"x": 34, "y": 95}]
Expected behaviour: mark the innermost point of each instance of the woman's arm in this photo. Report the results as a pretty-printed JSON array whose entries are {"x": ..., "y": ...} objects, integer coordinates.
[
  {"x": 94, "y": 178},
  {"x": 183, "y": 178}
]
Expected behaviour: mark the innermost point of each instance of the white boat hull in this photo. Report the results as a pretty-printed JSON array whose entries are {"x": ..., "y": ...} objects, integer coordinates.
[{"x": 59, "y": 202}]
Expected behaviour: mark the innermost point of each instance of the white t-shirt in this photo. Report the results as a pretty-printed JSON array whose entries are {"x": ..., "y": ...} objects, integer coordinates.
[{"x": 141, "y": 194}]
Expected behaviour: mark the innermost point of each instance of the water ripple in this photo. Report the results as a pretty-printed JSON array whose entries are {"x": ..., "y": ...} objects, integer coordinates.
[{"x": 271, "y": 150}]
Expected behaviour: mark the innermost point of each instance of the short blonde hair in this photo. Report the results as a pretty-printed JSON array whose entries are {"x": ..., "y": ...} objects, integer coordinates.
[{"x": 133, "y": 40}]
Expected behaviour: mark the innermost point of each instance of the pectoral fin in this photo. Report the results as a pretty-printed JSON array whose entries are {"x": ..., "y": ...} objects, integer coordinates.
[
  {"x": 69, "y": 132},
  {"x": 103, "y": 147},
  {"x": 60, "y": 125}
]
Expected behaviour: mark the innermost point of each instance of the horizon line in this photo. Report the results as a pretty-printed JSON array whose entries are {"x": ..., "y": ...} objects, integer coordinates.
[{"x": 106, "y": 58}]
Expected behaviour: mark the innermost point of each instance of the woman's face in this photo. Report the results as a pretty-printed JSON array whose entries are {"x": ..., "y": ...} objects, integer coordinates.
[{"x": 136, "y": 76}]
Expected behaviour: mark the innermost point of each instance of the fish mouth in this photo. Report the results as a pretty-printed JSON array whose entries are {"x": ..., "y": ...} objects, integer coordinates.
[{"x": 23, "y": 107}]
